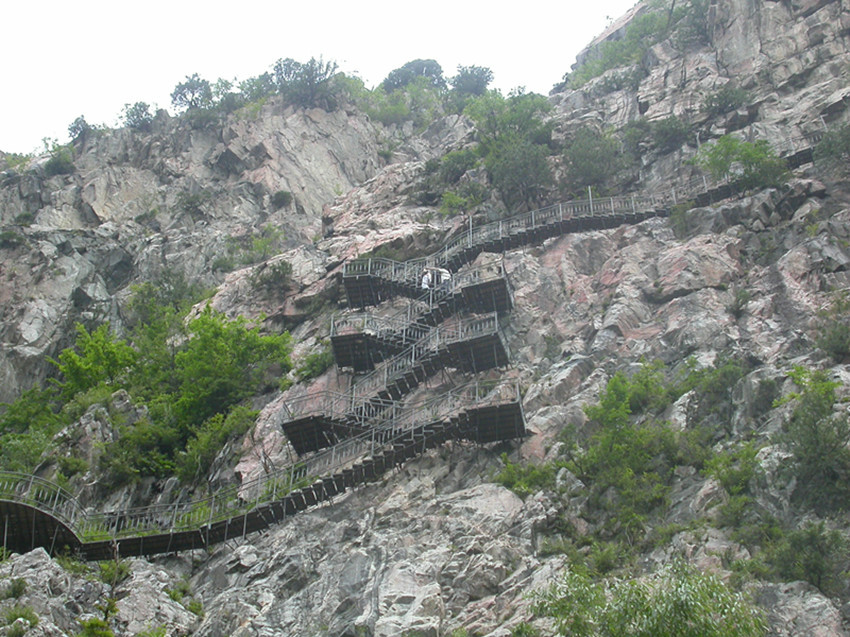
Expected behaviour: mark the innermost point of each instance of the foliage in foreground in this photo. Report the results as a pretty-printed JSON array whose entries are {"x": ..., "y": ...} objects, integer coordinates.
[
  {"x": 676, "y": 602},
  {"x": 187, "y": 378}
]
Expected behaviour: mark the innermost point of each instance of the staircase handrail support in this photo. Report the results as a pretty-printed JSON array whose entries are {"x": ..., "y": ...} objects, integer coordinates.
[{"x": 43, "y": 495}]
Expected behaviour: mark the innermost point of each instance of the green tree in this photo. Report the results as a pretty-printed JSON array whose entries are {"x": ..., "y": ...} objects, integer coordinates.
[
  {"x": 669, "y": 134},
  {"x": 222, "y": 363},
  {"x": 815, "y": 554},
  {"x": 96, "y": 358},
  {"x": 591, "y": 157},
  {"x": 195, "y": 92},
  {"x": 308, "y": 84},
  {"x": 818, "y": 438},
  {"x": 514, "y": 141},
  {"x": 211, "y": 437},
  {"x": 519, "y": 169},
  {"x": 429, "y": 69},
  {"x": 834, "y": 332},
  {"x": 520, "y": 115},
  {"x": 749, "y": 164},
  {"x": 471, "y": 80},
  {"x": 728, "y": 98},
  {"x": 137, "y": 116},
  {"x": 675, "y": 602},
  {"x": 79, "y": 129},
  {"x": 256, "y": 88}
]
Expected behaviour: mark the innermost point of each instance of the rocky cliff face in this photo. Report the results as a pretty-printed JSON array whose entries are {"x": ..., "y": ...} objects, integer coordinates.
[{"x": 437, "y": 547}]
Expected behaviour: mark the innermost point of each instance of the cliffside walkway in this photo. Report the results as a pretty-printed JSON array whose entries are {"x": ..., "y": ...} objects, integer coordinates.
[
  {"x": 35, "y": 512},
  {"x": 345, "y": 439},
  {"x": 369, "y": 281}
]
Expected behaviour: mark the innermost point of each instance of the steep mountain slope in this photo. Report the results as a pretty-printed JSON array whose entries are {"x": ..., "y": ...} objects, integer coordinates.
[{"x": 728, "y": 297}]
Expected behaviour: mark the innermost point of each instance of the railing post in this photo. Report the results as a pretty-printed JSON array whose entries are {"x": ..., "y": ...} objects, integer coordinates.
[
  {"x": 590, "y": 198},
  {"x": 560, "y": 213},
  {"x": 673, "y": 190}
]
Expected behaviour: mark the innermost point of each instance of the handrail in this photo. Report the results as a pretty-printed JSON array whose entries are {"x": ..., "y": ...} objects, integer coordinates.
[
  {"x": 429, "y": 345},
  {"x": 236, "y": 500},
  {"x": 638, "y": 203},
  {"x": 43, "y": 495}
]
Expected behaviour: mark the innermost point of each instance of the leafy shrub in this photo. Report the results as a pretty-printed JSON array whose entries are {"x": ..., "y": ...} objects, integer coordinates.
[
  {"x": 16, "y": 161},
  {"x": 818, "y": 439},
  {"x": 635, "y": 135},
  {"x": 675, "y": 601},
  {"x": 815, "y": 554},
  {"x": 591, "y": 157},
  {"x": 21, "y": 612},
  {"x": 643, "y": 32},
  {"x": 739, "y": 303},
  {"x": 728, "y": 98},
  {"x": 669, "y": 134},
  {"x": 72, "y": 465},
  {"x": 96, "y": 358},
  {"x": 316, "y": 363},
  {"x": 15, "y": 589},
  {"x": 11, "y": 239},
  {"x": 750, "y": 165},
  {"x": 24, "y": 219},
  {"x": 519, "y": 169},
  {"x": 195, "y": 92},
  {"x": 137, "y": 116},
  {"x": 113, "y": 572},
  {"x": 210, "y": 439},
  {"x": 273, "y": 276},
  {"x": 713, "y": 387},
  {"x": 455, "y": 164},
  {"x": 468, "y": 196},
  {"x": 470, "y": 81},
  {"x": 94, "y": 627},
  {"x": 527, "y": 480},
  {"x": 429, "y": 70},
  {"x": 735, "y": 469},
  {"x": 834, "y": 148},
  {"x": 833, "y": 335},
  {"x": 255, "y": 89},
  {"x": 193, "y": 202},
  {"x": 281, "y": 199},
  {"x": 307, "y": 85},
  {"x": 61, "y": 162},
  {"x": 79, "y": 128},
  {"x": 519, "y": 116}
]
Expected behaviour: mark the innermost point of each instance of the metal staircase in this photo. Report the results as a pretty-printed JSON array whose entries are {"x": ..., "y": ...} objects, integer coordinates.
[
  {"x": 36, "y": 512},
  {"x": 345, "y": 439}
]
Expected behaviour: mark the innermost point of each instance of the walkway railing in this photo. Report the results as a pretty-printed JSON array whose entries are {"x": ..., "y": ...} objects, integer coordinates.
[
  {"x": 40, "y": 494},
  {"x": 427, "y": 347},
  {"x": 408, "y": 272},
  {"x": 235, "y": 501}
]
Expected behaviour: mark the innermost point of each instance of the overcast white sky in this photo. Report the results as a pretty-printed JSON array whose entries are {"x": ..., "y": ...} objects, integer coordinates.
[{"x": 67, "y": 58}]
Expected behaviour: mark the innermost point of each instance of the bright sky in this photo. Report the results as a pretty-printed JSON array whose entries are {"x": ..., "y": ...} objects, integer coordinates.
[{"x": 63, "y": 59}]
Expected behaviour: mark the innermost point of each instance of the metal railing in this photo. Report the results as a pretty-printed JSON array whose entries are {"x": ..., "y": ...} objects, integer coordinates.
[
  {"x": 408, "y": 272},
  {"x": 437, "y": 338},
  {"x": 235, "y": 501},
  {"x": 40, "y": 494}
]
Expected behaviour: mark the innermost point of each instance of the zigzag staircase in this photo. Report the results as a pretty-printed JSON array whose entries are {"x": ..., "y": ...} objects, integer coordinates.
[{"x": 347, "y": 439}]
